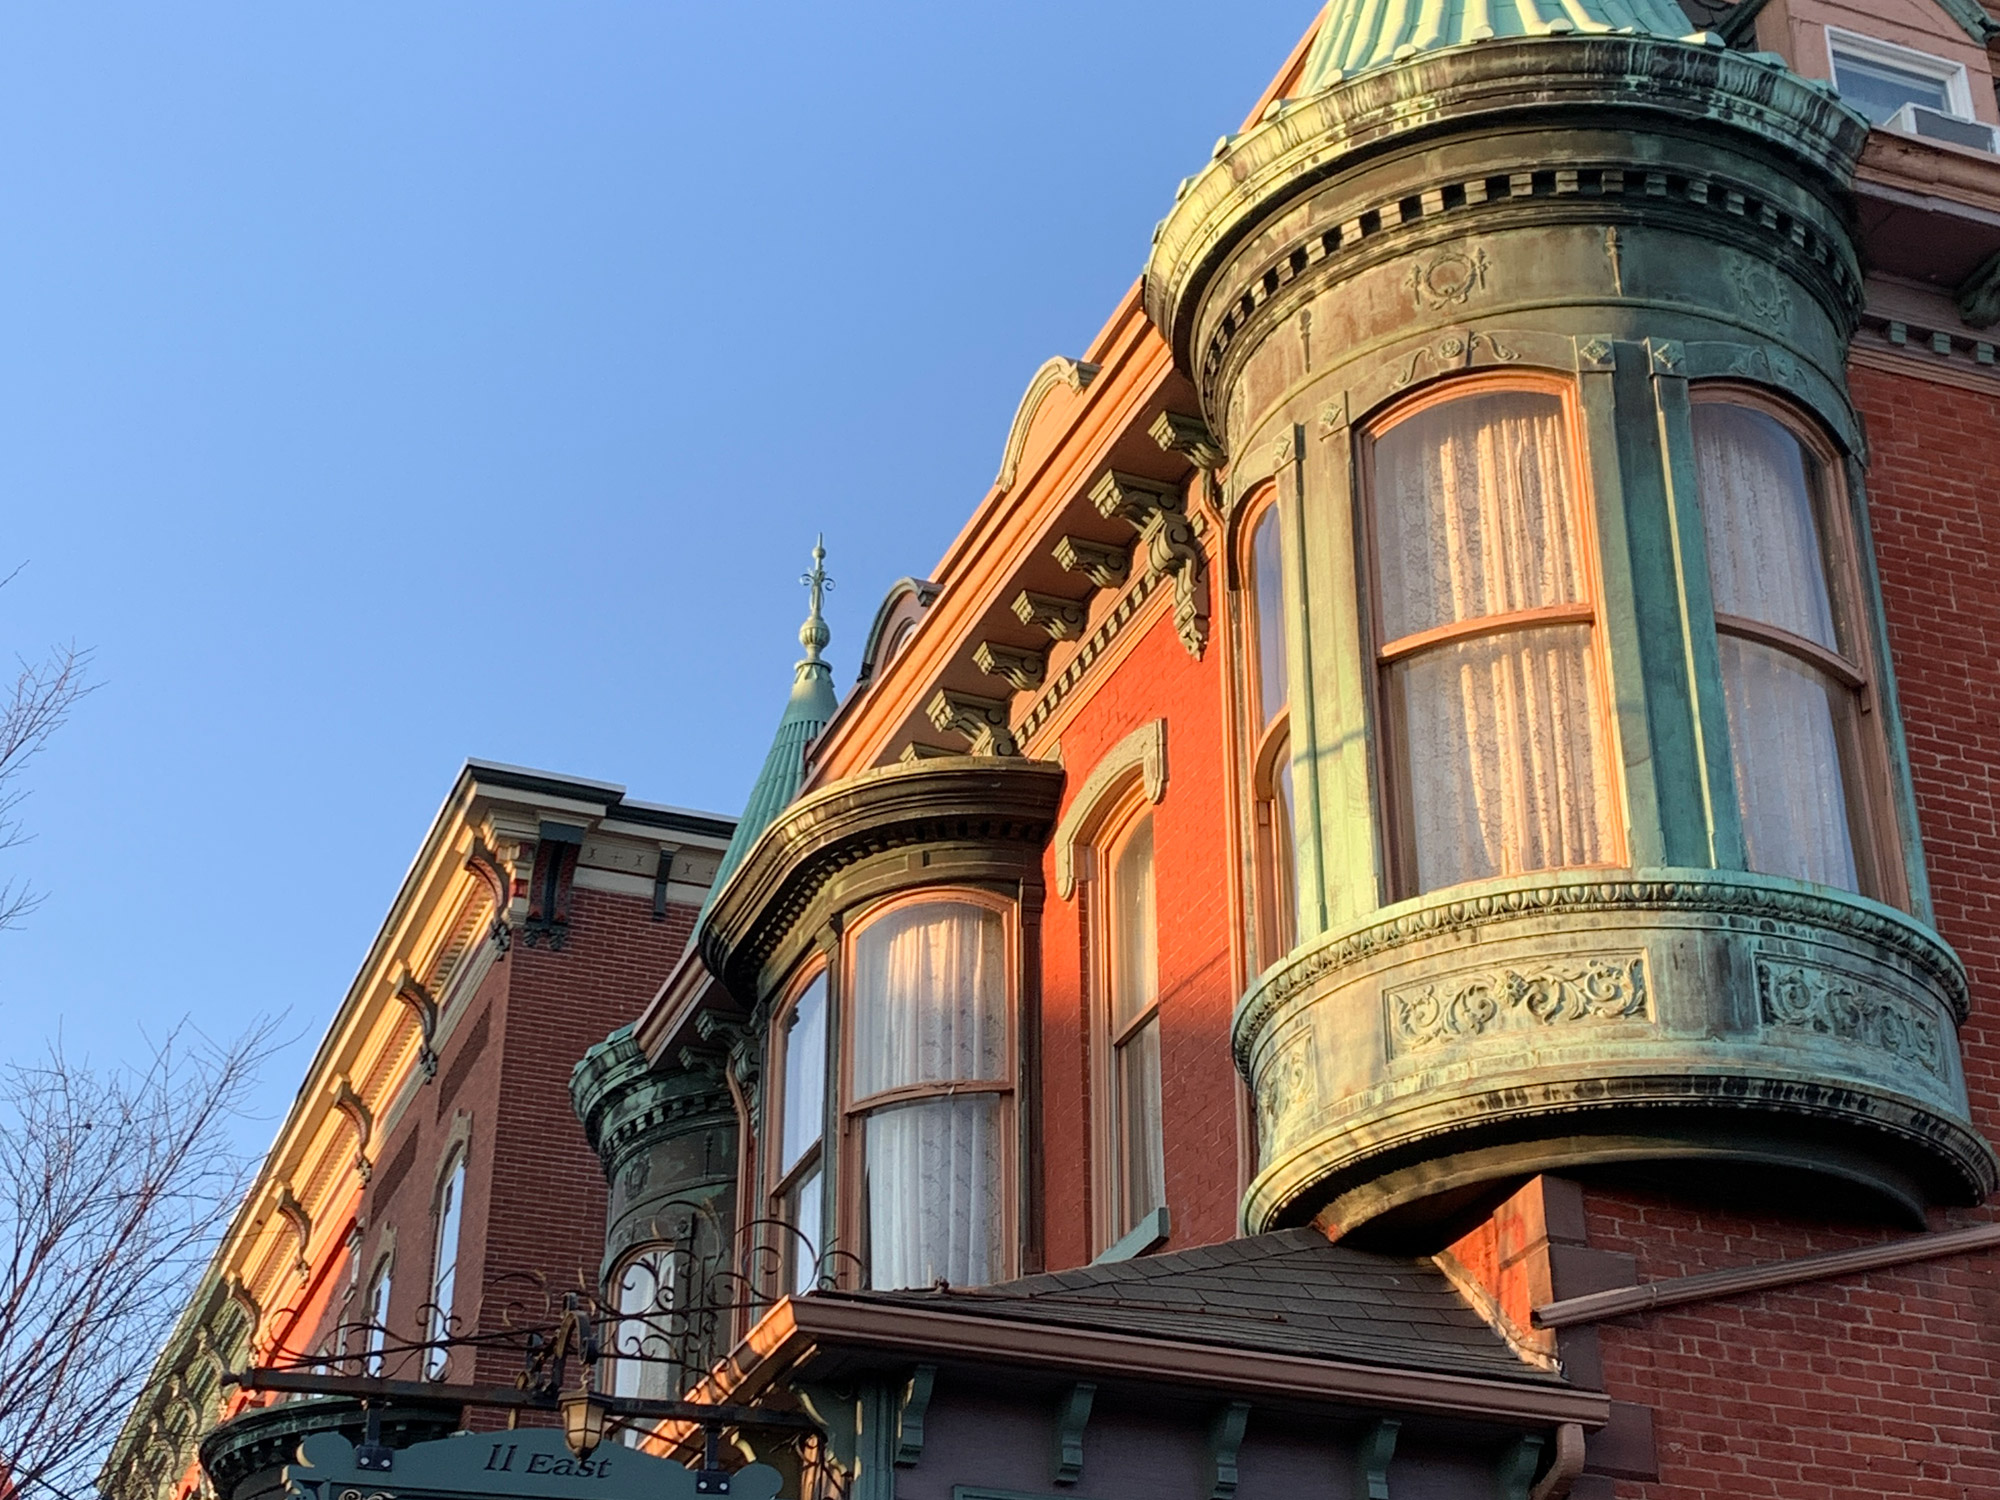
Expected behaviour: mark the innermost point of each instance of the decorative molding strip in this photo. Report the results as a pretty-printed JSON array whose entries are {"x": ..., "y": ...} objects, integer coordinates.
[
  {"x": 1712, "y": 1286},
  {"x": 1141, "y": 756},
  {"x": 982, "y": 721},
  {"x": 1973, "y": 356},
  {"x": 1487, "y": 1002},
  {"x": 1023, "y": 671},
  {"x": 917, "y": 750},
  {"x": 1062, "y": 618},
  {"x": 1106, "y": 567},
  {"x": 1176, "y": 433},
  {"x": 1288, "y": 1088},
  {"x": 1167, "y": 541},
  {"x": 1108, "y": 630},
  {"x": 1076, "y": 374},
  {"x": 1811, "y": 997}
]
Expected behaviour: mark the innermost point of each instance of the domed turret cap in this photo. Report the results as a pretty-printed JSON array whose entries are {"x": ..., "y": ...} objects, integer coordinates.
[{"x": 1355, "y": 35}]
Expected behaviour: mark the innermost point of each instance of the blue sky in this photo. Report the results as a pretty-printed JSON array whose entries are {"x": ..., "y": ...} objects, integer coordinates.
[{"x": 383, "y": 384}]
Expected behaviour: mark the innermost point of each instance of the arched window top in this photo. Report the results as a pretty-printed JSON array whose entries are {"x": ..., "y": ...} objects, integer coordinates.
[
  {"x": 1264, "y": 579},
  {"x": 645, "y": 1292}
]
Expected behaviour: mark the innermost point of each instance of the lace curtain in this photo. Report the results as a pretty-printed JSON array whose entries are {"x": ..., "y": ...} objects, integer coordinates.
[
  {"x": 1135, "y": 991},
  {"x": 1268, "y": 626},
  {"x": 1766, "y": 563},
  {"x": 1506, "y": 762},
  {"x": 641, "y": 1346},
  {"x": 930, "y": 987}
]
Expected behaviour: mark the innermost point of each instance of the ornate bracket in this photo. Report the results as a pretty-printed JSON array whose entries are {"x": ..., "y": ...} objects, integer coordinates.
[
  {"x": 481, "y": 862},
  {"x": 1225, "y": 1442},
  {"x": 1516, "y": 1469},
  {"x": 983, "y": 721},
  {"x": 1107, "y": 567},
  {"x": 1189, "y": 435},
  {"x": 410, "y": 990},
  {"x": 910, "y": 1416},
  {"x": 1062, "y": 618},
  {"x": 1371, "y": 1458},
  {"x": 356, "y": 1109},
  {"x": 1167, "y": 541},
  {"x": 300, "y": 1222},
  {"x": 1071, "y": 1418},
  {"x": 1978, "y": 296},
  {"x": 1022, "y": 670}
]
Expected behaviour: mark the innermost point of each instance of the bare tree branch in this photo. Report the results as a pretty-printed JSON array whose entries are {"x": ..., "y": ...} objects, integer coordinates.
[
  {"x": 39, "y": 704},
  {"x": 114, "y": 1187}
]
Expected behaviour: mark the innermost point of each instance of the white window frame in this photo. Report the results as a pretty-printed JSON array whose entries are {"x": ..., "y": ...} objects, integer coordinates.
[{"x": 1955, "y": 77}]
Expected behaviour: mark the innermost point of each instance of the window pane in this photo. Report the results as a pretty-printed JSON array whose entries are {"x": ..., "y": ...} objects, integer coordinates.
[
  {"x": 1284, "y": 882},
  {"x": 930, "y": 997},
  {"x": 1142, "y": 1167},
  {"x": 1879, "y": 89},
  {"x": 1268, "y": 579},
  {"x": 1786, "y": 748},
  {"x": 934, "y": 1192},
  {"x": 805, "y": 1074},
  {"x": 1506, "y": 767},
  {"x": 378, "y": 1323},
  {"x": 1135, "y": 965},
  {"x": 1755, "y": 481},
  {"x": 1474, "y": 514},
  {"x": 641, "y": 1343},
  {"x": 446, "y": 1281},
  {"x": 806, "y": 1207}
]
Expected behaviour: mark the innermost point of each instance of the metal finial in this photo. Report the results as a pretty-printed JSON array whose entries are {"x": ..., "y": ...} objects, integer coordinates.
[{"x": 814, "y": 635}]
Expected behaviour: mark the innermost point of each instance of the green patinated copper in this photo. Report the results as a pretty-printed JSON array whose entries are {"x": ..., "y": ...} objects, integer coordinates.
[
  {"x": 1355, "y": 35},
  {"x": 1624, "y": 216}
]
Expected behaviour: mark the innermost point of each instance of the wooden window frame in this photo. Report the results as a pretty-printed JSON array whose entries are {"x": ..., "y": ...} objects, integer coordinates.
[
  {"x": 1116, "y": 826},
  {"x": 1274, "y": 903},
  {"x": 1865, "y": 754},
  {"x": 851, "y": 1212},
  {"x": 1392, "y": 778},
  {"x": 780, "y": 1182}
]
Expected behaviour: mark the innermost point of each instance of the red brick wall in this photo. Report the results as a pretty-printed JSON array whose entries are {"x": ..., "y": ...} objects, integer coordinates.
[{"x": 1197, "y": 991}]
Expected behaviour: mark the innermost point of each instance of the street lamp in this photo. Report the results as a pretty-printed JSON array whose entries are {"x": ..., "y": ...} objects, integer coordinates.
[{"x": 583, "y": 1418}]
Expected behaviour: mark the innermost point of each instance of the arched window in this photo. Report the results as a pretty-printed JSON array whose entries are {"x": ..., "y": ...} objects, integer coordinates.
[
  {"x": 642, "y": 1339},
  {"x": 1271, "y": 754},
  {"x": 1793, "y": 669},
  {"x": 929, "y": 1105},
  {"x": 1497, "y": 753},
  {"x": 376, "y": 1313},
  {"x": 798, "y": 1175},
  {"x": 444, "y": 1280},
  {"x": 1127, "y": 1045}
]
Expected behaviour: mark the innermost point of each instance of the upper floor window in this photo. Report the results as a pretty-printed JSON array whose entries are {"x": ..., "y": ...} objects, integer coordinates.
[
  {"x": 1497, "y": 747},
  {"x": 1127, "y": 1044},
  {"x": 797, "y": 1169},
  {"x": 1271, "y": 762},
  {"x": 929, "y": 1104},
  {"x": 1879, "y": 78},
  {"x": 444, "y": 1283},
  {"x": 641, "y": 1342},
  {"x": 376, "y": 1313},
  {"x": 1793, "y": 673}
]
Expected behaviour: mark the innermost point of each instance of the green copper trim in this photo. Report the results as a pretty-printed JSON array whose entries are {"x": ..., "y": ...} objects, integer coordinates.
[{"x": 1356, "y": 35}]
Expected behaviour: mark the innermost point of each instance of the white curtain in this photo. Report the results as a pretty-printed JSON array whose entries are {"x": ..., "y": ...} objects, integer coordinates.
[
  {"x": 1142, "y": 1149},
  {"x": 805, "y": 1075},
  {"x": 1507, "y": 761},
  {"x": 934, "y": 1192},
  {"x": 930, "y": 988},
  {"x": 1267, "y": 578},
  {"x": 1766, "y": 563},
  {"x": 641, "y": 1346},
  {"x": 1135, "y": 989},
  {"x": 931, "y": 1008}
]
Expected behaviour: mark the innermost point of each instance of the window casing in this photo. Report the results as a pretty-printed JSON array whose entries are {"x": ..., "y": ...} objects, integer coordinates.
[
  {"x": 1807, "y": 759},
  {"x": 1268, "y": 695},
  {"x": 1126, "y": 1047},
  {"x": 1878, "y": 78},
  {"x": 927, "y": 1104},
  {"x": 797, "y": 1160},
  {"x": 1497, "y": 747},
  {"x": 444, "y": 1280}
]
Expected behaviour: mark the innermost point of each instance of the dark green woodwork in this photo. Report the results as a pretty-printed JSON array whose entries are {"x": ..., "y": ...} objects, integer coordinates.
[
  {"x": 666, "y": 1135},
  {"x": 245, "y": 1457},
  {"x": 530, "y": 1463},
  {"x": 1629, "y": 215}
]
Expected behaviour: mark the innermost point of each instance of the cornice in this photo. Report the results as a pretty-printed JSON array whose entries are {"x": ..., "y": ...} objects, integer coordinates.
[
  {"x": 627, "y": 1103},
  {"x": 999, "y": 800}
]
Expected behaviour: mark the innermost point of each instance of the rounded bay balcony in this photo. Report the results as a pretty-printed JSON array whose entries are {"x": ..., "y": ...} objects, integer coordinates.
[{"x": 1559, "y": 1021}]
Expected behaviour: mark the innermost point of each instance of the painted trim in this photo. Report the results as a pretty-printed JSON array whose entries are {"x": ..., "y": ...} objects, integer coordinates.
[
  {"x": 1148, "y": 1234},
  {"x": 1074, "y": 373},
  {"x": 1866, "y": 49},
  {"x": 1142, "y": 753}
]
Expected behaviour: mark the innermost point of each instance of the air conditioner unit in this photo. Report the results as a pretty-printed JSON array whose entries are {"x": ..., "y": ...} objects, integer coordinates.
[{"x": 1914, "y": 119}]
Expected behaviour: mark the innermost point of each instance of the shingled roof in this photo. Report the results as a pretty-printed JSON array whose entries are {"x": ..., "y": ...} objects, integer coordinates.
[{"x": 1291, "y": 1292}]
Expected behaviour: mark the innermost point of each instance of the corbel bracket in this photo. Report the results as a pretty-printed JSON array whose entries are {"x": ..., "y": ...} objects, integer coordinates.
[
  {"x": 299, "y": 1221},
  {"x": 481, "y": 861},
  {"x": 1062, "y": 618},
  {"x": 1107, "y": 567},
  {"x": 1189, "y": 435},
  {"x": 362, "y": 1118},
  {"x": 1516, "y": 1470},
  {"x": 1225, "y": 1442},
  {"x": 910, "y": 1416},
  {"x": 236, "y": 1293},
  {"x": 1371, "y": 1458},
  {"x": 1071, "y": 1418},
  {"x": 1166, "y": 542},
  {"x": 1978, "y": 296},
  {"x": 983, "y": 721},
  {"x": 1023, "y": 671},
  {"x": 410, "y": 990}
]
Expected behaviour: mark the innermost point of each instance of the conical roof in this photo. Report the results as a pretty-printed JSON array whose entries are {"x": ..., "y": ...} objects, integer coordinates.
[
  {"x": 1355, "y": 35},
  {"x": 807, "y": 712}
]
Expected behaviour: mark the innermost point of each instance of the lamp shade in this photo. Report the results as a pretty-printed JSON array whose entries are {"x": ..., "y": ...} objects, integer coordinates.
[{"x": 583, "y": 1417}]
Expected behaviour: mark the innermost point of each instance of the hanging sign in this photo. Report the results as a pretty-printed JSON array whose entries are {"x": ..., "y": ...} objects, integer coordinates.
[{"x": 531, "y": 1463}]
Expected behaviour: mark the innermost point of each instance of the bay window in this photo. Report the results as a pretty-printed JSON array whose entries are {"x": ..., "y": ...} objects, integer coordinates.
[
  {"x": 1793, "y": 679},
  {"x": 928, "y": 1109},
  {"x": 1496, "y": 748},
  {"x": 1269, "y": 693},
  {"x": 1128, "y": 1034},
  {"x": 798, "y": 1177}
]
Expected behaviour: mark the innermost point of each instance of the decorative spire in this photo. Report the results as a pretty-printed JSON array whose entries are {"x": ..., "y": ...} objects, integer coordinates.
[{"x": 814, "y": 635}]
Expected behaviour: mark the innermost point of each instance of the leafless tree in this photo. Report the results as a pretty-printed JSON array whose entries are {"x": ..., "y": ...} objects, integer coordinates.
[
  {"x": 44, "y": 692},
  {"x": 114, "y": 1186}
]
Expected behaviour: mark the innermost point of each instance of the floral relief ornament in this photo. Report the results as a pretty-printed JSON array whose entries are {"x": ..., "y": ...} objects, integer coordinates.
[{"x": 1448, "y": 280}]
